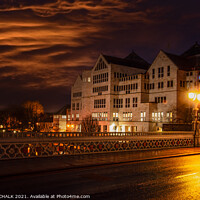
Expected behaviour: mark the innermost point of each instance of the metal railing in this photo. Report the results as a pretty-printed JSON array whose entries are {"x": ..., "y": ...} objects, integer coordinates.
[{"x": 85, "y": 134}]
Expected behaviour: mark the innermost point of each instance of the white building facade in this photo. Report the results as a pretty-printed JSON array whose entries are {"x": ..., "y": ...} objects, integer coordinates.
[{"x": 127, "y": 95}]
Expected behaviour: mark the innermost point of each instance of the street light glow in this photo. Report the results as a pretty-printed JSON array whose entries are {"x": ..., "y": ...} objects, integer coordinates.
[{"x": 191, "y": 95}]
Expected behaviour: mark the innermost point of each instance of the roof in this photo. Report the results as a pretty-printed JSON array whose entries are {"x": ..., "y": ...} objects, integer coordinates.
[
  {"x": 132, "y": 60},
  {"x": 62, "y": 111},
  {"x": 192, "y": 51},
  {"x": 181, "y": 62}
]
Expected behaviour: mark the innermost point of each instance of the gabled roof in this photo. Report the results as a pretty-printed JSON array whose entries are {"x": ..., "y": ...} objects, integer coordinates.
[
  {"x": 181, "y": 62},
  {"x": 192, "y": 51},
  {"x": 132, "y": 60},
  {"x": 63, "y": 110}
]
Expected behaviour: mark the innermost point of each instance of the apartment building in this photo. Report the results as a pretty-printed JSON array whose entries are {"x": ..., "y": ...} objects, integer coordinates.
[{"x": 128, "y": 94}]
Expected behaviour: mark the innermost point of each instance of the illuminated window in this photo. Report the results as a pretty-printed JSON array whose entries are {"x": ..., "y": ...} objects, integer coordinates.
[
  {"x": 143, "y": 116},
  {"x": 127, "y": 116},
  {"x": 115, "y": 117},
  {"x": 89, "y": 79},
  {"x": 100, "y": 116},
  {"x": 169, "y": 117},
  {"x": 77, "y": 117}
]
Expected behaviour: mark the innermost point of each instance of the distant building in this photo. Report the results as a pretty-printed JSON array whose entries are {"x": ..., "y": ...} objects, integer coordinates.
[
  {"x": 46, "y": 124},
  {"x": 131, "y": 95},
  {"x": 60, "y": 119}
]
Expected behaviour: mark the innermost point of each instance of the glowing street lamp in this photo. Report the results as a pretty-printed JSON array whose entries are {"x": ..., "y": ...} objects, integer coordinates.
[{"x": 195, "y": 97}]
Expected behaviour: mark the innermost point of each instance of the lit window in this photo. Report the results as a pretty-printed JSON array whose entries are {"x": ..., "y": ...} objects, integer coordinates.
[
  {"x": 143, "y": 116},
  {"x": 115, "y": 117},
  {"x": 89, "y": 79}
]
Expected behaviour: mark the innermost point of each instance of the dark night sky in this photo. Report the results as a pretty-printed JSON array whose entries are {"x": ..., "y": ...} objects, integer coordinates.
[{"x": 45, "y": 44}]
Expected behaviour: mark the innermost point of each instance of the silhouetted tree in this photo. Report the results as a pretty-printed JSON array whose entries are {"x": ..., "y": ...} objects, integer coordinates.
[
  {"x": 89, "y": 125},
  {"x": 33, "y": 113}
]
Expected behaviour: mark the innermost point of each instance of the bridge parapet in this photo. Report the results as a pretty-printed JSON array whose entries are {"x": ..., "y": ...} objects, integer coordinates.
[{"x": 29, "y": 147}]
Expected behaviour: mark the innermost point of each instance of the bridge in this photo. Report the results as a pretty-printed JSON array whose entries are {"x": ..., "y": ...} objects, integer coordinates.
[{"x": 30, "y": 145}]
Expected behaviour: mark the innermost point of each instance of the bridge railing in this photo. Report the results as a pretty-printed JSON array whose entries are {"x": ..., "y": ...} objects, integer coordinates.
[{"x": 84, "y": 134}]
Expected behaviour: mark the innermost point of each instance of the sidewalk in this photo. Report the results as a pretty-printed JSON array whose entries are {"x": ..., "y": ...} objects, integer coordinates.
[{"x": 39, "y": 165}]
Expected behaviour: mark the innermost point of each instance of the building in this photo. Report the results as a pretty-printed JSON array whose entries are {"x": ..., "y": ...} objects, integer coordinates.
[
  {"x": 131, "y": 95},
  {"x": 60, "y": 120}
]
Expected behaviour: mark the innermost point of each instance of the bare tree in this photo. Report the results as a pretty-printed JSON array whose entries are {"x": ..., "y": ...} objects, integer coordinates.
[{"x": 89, "y": 125}]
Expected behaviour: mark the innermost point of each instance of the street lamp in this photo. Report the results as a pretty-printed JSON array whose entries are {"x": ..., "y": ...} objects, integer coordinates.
[{"x": 195, "y": 97}]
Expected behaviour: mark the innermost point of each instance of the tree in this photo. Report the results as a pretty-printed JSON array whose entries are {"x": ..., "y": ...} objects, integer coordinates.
[
  {"x": 33, "y": 113},
  {"x": 89, "y": 125}
]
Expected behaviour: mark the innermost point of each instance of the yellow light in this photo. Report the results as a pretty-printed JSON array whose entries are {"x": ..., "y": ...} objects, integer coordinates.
[
  {"x": 198, "y": 97},
  {"x": 191, "y": 95},
  {"x": 72, "y": 126},
  {"x": 68, "y": 125}
]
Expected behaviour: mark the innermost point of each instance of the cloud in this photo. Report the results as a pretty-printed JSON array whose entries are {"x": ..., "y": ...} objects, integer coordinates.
[{"x": 45, "y": 44}]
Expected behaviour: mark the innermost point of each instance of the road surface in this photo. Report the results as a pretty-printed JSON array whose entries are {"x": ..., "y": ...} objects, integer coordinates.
[{"x": 169, "y": 178}]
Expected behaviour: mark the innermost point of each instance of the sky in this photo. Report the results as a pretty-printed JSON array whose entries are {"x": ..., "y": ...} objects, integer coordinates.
[{"x": 46, "y": 44}]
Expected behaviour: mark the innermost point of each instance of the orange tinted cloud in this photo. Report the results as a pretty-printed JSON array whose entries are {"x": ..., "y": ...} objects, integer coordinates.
[{"x": 45, "y": 44}]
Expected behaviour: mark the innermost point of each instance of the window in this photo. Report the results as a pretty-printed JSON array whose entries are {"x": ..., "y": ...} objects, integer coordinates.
[
  {"x": 127, "y": 116},
  {"x": 99, "y": 78},
  {"x": 100, "y": 103},
  {"x": 64, "y": 116},
  {"x": 73, "y": 106},
  {"x": 68, "y": 118},
  {"x": 157, "y": 116},
  {"x": 160, "y": 85},
  {"x": 117, "y": 103},
  {"x": 72, "y": 117},
  {"x": 100, "y": 89},
  {"x": 77, "y": 94},
  {"x": 77, "y": 106},
  {"x": 101, "y": 65},
  {"x": 169, "y": 83},
  {"x": 77, "y": 117},
  {"x": 160, "y": 72},
  {"x": 160, "y": 99},
  {"x": 153, "y": 73},
  {"x": 127, "y": 103},
  {"x": 143, "y": 116},
  {"x": 89, "y": 79},
  {"x": 169, "y": 117},
  {"x": 168, "y": 70},
  {"x": 100, "y": 116},
  {"x": 135, "y": 100},
  {"x": 151, "y": 86},
  {"x": 191, "y": 73},
  {"x": 115, "y": 117}
]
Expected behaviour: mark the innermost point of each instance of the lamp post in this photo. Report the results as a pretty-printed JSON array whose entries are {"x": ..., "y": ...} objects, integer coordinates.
[{"x": 195, "y": 97}]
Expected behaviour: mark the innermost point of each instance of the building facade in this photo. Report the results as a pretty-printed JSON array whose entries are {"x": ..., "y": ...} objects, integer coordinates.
[{"x": 126, "y": 95}]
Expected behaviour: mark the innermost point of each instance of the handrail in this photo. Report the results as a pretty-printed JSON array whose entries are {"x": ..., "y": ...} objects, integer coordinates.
[{"x": 85, "y": 134}]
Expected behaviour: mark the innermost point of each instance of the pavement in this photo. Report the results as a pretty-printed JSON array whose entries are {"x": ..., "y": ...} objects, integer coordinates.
[{"x": 19, "y": 167}]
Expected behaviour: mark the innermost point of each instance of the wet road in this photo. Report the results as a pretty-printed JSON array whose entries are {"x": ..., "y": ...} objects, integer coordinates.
[{"x": 170, "y": 178}]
